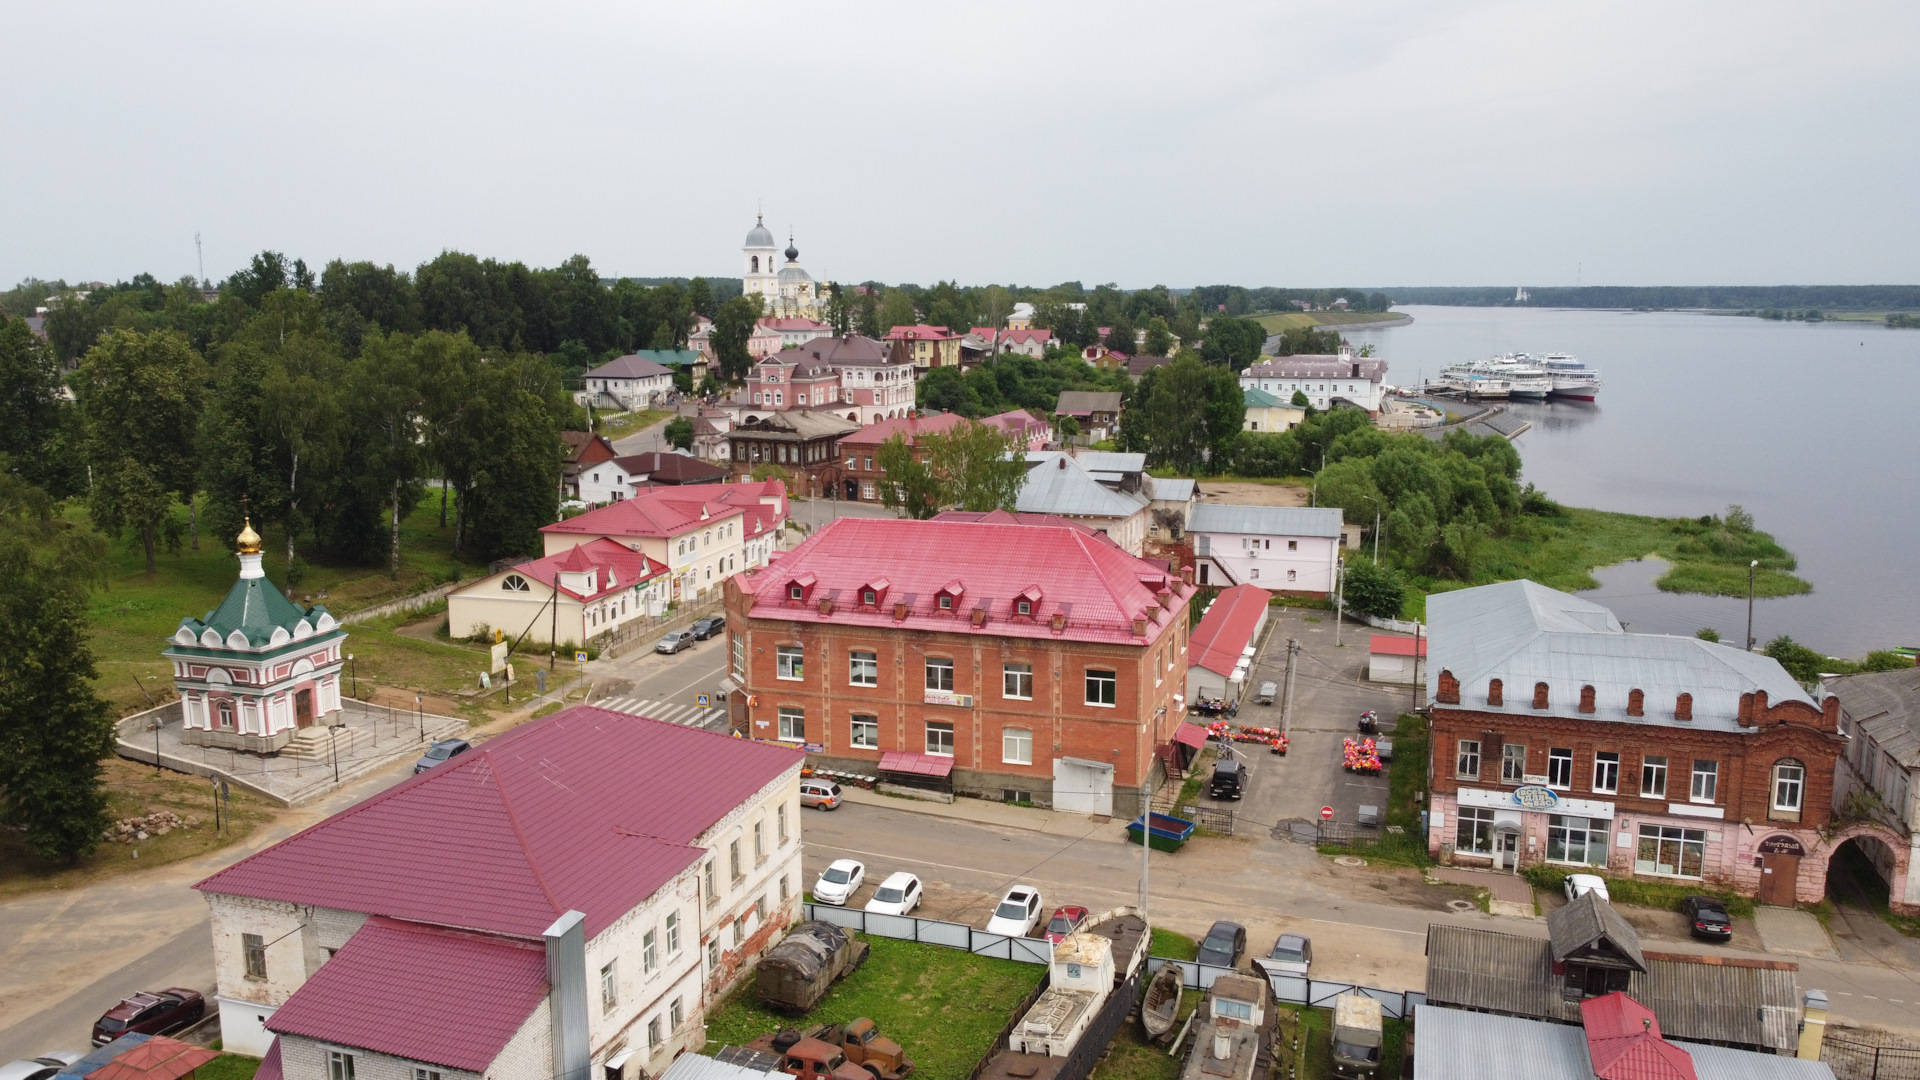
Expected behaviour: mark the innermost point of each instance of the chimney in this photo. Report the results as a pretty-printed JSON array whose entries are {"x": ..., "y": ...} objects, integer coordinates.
[
  {"x": 826, "y": 605},
  {"x": 979, "y": 617},
  {"x": 1636, "y": 702},
  {"x": 1139, "y": 627},
  {"x": 1683, "y": 708},
  {"x": 1222, "y": 1046},
  {"x": 566, "y": 943},
  {"x": 1186, "y": 575},
  {"x": 1830, "y": 711},
  {"x": 1058, "y": 624},
  {"x": 899, "y": 611},
  {"x": 1813, "y": 1025},
  {"x": 1539, "y": 695},
  {"x": 1586, "y": 699},
  {"x": 1060, "y": 463}
]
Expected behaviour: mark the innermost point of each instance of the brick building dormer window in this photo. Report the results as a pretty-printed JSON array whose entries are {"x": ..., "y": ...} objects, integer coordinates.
[
  {"x": 874, "y": 593},
  {"x": 801, "y": 588},
  {"x": 1028, "y": 602},
  {"x": 948, "y": 596}
]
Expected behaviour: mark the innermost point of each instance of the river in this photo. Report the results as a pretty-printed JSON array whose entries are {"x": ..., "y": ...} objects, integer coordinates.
[{"x": 1814, "y": 428}]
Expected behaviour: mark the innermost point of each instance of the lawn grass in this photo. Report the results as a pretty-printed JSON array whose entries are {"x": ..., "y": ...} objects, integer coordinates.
[
  {"x": 134, "y": 791},
  {"x": 1132, "y": 1057},
  {"x": 621, "y": 425},
  {"x": 944, "y": 1006},
  {"x": 135, "y": 611},
  {"x": 1173, "y": 946},
  {"x": 1639, "y": 891},
  {"x": 228, "y": 1067}
]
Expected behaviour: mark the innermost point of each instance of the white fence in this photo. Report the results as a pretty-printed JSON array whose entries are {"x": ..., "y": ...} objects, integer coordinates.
[
  {"x": 934, "y": 932},
  {"x": 1398, "y": 626},
  {"x": 1296, "y": 990}
]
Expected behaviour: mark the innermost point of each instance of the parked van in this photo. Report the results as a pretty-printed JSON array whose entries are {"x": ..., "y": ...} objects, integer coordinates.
[
  {"x": 820, "y": 794},
  {"x": 1229, "y": 779}
]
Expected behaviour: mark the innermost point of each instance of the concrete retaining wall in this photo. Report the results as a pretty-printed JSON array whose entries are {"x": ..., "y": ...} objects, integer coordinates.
[{"x": 415, "y": 602}]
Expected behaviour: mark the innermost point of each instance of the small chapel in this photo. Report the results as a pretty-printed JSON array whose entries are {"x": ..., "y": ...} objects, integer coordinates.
[
  {"x": 788, "y": 292},
  {"x": 259, "y": 668}
]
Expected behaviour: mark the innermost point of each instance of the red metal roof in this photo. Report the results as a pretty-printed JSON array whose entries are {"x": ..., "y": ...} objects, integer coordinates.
[
  {"x": 1191, "y": 735},
  {"x": 1624, "y": 1041},
  {"x": 1227, "y": 628},
  {"x": 670, "y": 511},
  {"x": 1394, "y": 645},
  {"x": 587, "y": 809},
  {"x": 380, "y": 990},
  {"x": 270, "y": 1065},
  {"x": 920, "y": 332},
  {"x": 912, "y": 427},
  {"x": 919, "y": 764},
  {"x": 159, "y": 1058},
  {"x": 620, "y": 568},
  {"x": 1091, "y": 584}
]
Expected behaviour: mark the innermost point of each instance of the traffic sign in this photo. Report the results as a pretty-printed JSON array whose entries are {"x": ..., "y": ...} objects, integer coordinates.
[
  {"x": 1326, "y": 813},
  {"x": 703, "y": 700},
  {"x": 580, "y": 656}
]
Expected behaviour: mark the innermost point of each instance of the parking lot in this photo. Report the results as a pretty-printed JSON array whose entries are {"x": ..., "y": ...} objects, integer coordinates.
[{"x": 1330, "y": 692}]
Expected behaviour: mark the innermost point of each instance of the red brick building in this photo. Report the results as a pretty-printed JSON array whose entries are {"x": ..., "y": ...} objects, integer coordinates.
[
  {"x": 1025, "y": 662},
  {"x": 1559, "y": 737},
  {"x": 864, "y": 476}
]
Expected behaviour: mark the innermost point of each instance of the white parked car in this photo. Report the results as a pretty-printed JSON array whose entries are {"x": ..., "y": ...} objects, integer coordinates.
[
  {"x": 839, "y": 882},
  {"x": 898, "y": 895},
  {"x": 1018, "y": 913},
  {"x": 1579, "y": 885}
]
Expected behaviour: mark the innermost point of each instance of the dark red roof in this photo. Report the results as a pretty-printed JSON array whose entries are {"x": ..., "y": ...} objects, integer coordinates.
[
  {"x": 1624, "y": 1041},
  {"x": 670, "y": 511},
  {"x": 620, "y": 568},
  {"x": 1227, "y": 628},
  {"x": 670, "y": 468},
  {"x": 912, "y": 427},
  {"x": 1014, "y": 517},
  {"x": 159, "y": 1058},
  {"x": 1393, "y": 645},
  {"x": 270, "y": 1065},
  {"x": 920, "y": 332},
  {"x": 1190, "y": 735},
  {"x": 381, "y": 991},
  {"x": 919, "y": 764},
  {"x": 587, "y": 809},
  {"x": 1092, "y": 585}
]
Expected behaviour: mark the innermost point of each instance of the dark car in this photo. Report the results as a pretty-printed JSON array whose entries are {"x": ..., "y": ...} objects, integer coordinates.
[
  {"x": 440, "y": 753},
  {"x": 1223, "y": 945},
  {"x": 1229, "y": 780},
  {"x": 702, "y": 629},
  {"x": 156, "y": 1012},
  {"x": 1707, "y": 918}
]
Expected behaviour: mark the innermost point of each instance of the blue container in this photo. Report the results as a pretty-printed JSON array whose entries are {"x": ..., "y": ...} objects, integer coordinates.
[{"x": 1167, "y": 833}]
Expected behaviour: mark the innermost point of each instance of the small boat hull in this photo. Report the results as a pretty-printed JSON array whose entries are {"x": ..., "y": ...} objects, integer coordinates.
[{"x": 1162, "y": 1004}]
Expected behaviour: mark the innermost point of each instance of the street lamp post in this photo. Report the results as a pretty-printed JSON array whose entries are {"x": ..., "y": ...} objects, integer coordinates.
[
  {"x": 353, "y": 671},
  {"x": 1752, "y": 567},
  {"x": 333, "y": 744},
  {"x": 421, "y": 715}
]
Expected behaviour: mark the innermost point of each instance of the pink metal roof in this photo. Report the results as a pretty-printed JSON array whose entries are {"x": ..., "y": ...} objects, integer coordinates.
[
  {"x": 920, "y": 333},
  {"x": 270, "y": 1065},
  {"x": 1190, "y": 735},
  {"x": 620, "y": 568},
  {"x": 587, "y": 809},
  {"x": 1094, "y": 586},
  {"x": 912, "y": 427},
  {"x": 1227, "y": 628},
  {"x": 670, "y": 511},
  {"x": 918, "y": 764},
  {"x": 1393, "y": 645},
  {"x": 383, "y": 990},
  {"x": 1624, "y": 1041}
]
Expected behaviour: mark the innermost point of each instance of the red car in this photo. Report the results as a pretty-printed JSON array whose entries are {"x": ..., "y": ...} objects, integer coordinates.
[
  {"x": 156, "y": 1012},
  {"x": 1065, "y": 921}
]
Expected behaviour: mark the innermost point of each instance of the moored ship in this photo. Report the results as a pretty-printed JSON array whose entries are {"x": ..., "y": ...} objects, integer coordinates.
[{"x": 1571, "y": 378}]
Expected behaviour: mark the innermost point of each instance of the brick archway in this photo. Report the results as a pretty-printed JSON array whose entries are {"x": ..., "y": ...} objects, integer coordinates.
[{"x": 1886, "y": 849}]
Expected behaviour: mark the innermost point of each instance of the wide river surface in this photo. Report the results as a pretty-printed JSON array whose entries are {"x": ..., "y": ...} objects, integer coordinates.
[{"x": 1814, "y": 428}]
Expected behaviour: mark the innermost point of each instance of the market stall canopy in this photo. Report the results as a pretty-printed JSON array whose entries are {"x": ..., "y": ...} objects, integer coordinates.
[{"x": 898, "y": 761}]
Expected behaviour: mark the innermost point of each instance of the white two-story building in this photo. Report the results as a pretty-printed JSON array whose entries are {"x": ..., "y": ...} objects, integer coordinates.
[
  {"x": 1284, "y": 549},
  {"x": 702, "y": 533},
  {"x": 1327, "y": 381},
  {"x": 560, "y": 901}
]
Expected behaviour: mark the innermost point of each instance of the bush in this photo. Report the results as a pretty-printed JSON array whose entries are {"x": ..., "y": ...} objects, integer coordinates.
[
  {"x": 1372, "y": 589},
  {"x": 1639, "y": 891}
]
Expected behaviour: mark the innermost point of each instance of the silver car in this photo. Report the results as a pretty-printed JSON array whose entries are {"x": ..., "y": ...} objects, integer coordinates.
[{"x": 674, "y": 642}]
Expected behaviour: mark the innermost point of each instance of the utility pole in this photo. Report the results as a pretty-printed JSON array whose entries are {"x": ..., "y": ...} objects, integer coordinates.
[
  {"x": 1376, "y": 532},
  {"x": 1286, "y": 708},
  {"x": 553, "y": 633},
  {"x": 1751, "y": 568},
  {"x": 1414, "y": 704},
  {"x": 1339, "y": 596}
]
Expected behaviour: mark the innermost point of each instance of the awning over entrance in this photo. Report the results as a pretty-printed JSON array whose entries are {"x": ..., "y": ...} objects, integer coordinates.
[
  {"x": 916, "y": 764},
  {"x": 1191, "y": 735}
]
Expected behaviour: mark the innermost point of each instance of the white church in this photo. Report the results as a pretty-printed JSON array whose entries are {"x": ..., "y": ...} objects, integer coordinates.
[{"x": 788, "y": 292}]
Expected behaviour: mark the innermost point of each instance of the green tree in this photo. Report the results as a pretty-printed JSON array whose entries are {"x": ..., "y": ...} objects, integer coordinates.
[
  {"x": 1707, "y": 633},
  {"x": 679, "y": 433},
  {"x": 516, "y": 489},
  {"x": 839, "y": 311},
  {"x": 1193, "y": 411},
  {"x": 32, "y": 409},
  {"x": 909, "y": 482},
  {"x": 384, "y": 416},
  {"x": 947, "y": 389},
  {"x": 896, "y": 309},
  {"x": 731, "y": 329},
  {"x": 1805, "y": 665},
  {"x": 867, "y": 318},
  {"x": 1159, "y": 338},
  {"x": 139, "y": 398},
  {"x": 1300, "y": 399},
  {"x": 54, "y": 730},
  {"x": 1307, "y": 341},
  {"x": 1232, "y": 343},
  {"x": 700, "y": 296},
  {"x": 978, "y": 467},
  {"x": 1372, "y": 589}
]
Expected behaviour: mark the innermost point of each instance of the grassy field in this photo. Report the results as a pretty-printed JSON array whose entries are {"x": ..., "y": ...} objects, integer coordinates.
[
  {"x": 136, "y": 611},
  {"x": 134, "y": 791},
  {"x": 1132, "y": 1057},
  {"x": 944, "y": 1006},
  {"x": 228, "y": 1067},
  {"x": 1173, "y": 946},
  {"x": 1294, "y": 320},
  {"x": 621, "y": 425}
]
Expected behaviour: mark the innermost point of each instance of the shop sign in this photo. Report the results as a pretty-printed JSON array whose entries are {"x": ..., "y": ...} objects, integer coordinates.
[
  {"x": 1781, "y": 845},
  {"x": 1534, "y": 797}
]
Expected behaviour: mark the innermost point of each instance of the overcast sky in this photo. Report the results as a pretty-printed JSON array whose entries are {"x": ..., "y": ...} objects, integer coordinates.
[{"x": 1262, "y": 143}]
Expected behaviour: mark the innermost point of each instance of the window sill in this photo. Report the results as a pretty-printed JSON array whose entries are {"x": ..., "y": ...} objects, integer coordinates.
[
  {"x": 1100, "y": 705},
  {"x": 1777, "y": 814},
  {"x": 939, "y": 753},
  {"x": 1010, "y": 761},
  {"x": 1014, "y": 697},
  {"x": 791, "y": 678}
]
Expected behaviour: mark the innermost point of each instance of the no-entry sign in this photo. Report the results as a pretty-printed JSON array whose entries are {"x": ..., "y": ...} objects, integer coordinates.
[{"x": 1326, "y": 813}]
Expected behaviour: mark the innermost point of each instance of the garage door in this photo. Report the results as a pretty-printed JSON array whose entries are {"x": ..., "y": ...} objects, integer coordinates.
[{"x": 1084, "y": 787}]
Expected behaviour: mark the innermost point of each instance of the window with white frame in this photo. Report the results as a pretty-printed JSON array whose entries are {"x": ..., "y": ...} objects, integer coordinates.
[
  {"x": 863, "y": 668},
  {"x": 740, "y": 929},
  {"x": 1789, "y": 785},
  {"x": 1103, "y": 687},
  {"x": 793, "y": 724},
  {"x": 649, "y": 951},
  {"x": 1671, "y": 851},
  {"x": 713, "y": 957},
  {"x": 1576, "y": 840},
  {"x": 421, "y": 1072},
  {"x": 1513, "y": 762},
  {"x": 940, "y": 739},
  {"x": 784, "y": 891},
  {"x": 1016, "y": 746},
  {"x": 759, "y": 842},
  {"x": 1016, "y": 681},
  {"x": 864, "y": 732},
  {"x": 609, "y": 986},
  {"x": 1653, "y": 776},
  {"x": 339, "y": 1065},
  {"x": 939, "y": 673},
  {"x": 740, "y": 657},
  {"x": 1560, "y": 767},
  {"x": 780, "y": 823},
  {"x": 1473, "y": 830},
  {"x": 654, "y": 1038},
  {"x": 788, "y": 662},
  {"x": 733, "y": 861},
  {"x": 1606, "y": 772},
  {"x": 1466, "y": 762},
  {"x": 676, "y": 1014},
  {"x": 673, "y": 933},
  {"x": 1706, "y": 781}
]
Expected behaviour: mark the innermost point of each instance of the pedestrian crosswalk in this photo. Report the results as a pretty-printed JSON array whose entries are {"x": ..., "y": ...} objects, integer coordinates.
[{"x": 683, "y": 713}]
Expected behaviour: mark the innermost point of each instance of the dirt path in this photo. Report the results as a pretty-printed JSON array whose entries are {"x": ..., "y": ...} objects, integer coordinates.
[{"x": 1248, "y": 493}]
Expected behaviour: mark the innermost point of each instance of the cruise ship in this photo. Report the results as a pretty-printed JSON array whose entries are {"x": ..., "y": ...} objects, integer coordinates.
[
  {"x": 1510, "y": 376},
  {"x": 1571, "y": 378}
]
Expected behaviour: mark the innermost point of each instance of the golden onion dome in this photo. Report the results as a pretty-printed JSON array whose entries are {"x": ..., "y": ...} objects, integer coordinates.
[{"x": 248, "y": 540}]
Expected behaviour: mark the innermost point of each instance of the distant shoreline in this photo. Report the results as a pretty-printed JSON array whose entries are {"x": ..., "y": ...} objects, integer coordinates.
[{"x": 1276, "y": 321}]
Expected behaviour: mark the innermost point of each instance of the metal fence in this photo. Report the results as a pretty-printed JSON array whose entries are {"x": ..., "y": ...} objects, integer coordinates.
[
  {"x": 634, "y": 633},
  {"x": 1852, "y": 1060},
  {"x": 1217, "y": 819},
  {"x": 934, "y": 932},
  {"x": 1296, "y": 990}
]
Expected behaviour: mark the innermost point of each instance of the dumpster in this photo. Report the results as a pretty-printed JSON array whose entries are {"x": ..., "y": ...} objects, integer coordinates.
[{"x": 1167, "y": 832}]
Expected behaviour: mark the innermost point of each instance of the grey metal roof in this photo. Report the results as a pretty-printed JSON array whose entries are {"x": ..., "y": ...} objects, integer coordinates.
[
  {"x": 1722, "y": 1063},
  {"x": 1088, "y": 401},
  {"x": 1521, "y": 632},
  {"x": 1322, "y": 366},
  {"x": 758, "y": 236},
  {"x": 1064, "y": 486},
  {"x": 700, "y": 1067},
  {"x": 1265, "y": 520},
  {"x": 1459, "y": 1045},
  {"x": 630, "y": 366},
  {"x": 1584, "y": 923},
  {"x": 1172, "y": 489},
  {"x": 1885, "y": 705},
  {"x": 1752, "y": 1004},
  {"x": 1111, "y": 461}
]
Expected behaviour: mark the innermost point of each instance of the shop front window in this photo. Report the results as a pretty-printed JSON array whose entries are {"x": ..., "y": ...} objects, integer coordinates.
[
  {"x": 1576, "y": 840},
  {"x": 1670, "y": 851},
  {"x": 1474, "y": 831}
]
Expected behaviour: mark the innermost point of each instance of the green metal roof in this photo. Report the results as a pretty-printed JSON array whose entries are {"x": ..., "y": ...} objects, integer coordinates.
[
  {"x": 255, "y": 607},
  {"x": 1260, "y": 399}
]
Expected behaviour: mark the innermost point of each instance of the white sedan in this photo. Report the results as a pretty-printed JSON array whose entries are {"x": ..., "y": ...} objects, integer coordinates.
[
  {"x": 1018, "y": 913},
  {"x": 839, "y": 882},
  {"x": 898, "y": 895},
  {"x": 1579, "y": 885}
]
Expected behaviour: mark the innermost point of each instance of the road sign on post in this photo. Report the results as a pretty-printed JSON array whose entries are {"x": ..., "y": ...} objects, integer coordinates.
[
  {"x": 580, "y": 656},
  {"x": 1326, "y": 813},
  {"x": 705, "y": 701}
]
